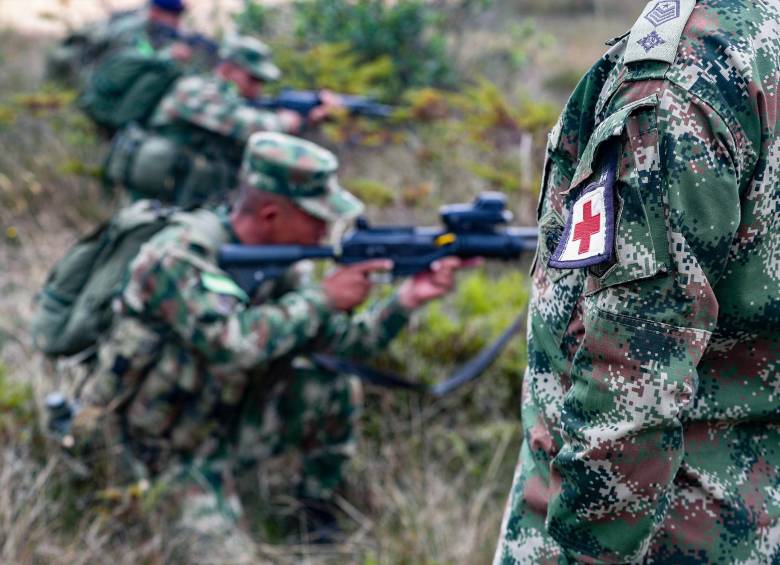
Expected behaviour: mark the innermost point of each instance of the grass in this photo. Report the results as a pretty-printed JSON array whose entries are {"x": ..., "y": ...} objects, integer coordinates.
[{"x": 430, "y": 477}]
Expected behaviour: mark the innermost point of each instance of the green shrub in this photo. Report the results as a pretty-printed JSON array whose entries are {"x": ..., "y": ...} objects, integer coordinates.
[
  {"x": 371, "y": 191},
  {"x": 450, "y": 332},
  {"x": 17, "y": 407},
  {"x": 407, "y": 31},
  {"x": 253, "y": 19},
  {"x": 334, "y": 66}
]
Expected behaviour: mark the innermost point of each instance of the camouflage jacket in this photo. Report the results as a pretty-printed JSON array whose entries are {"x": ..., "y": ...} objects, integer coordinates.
[
  {"x": 188, "y": 341},
  {"x": 129, "y": 29},
  {"x": 208, "y": 103},
  {"x": 651, "y": 403}
]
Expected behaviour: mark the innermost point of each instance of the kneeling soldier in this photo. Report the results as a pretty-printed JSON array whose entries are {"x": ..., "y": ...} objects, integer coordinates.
[{"x": 197, "y": 378}]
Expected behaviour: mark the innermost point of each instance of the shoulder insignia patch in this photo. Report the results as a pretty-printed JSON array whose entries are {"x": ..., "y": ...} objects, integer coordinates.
[
  {"x": 589, "y": 236},
  {"x": 656, "y": 34}
]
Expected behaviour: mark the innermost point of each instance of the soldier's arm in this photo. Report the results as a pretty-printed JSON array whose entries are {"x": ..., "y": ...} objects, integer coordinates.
[
  {"x": 207, "y": 312},
  {"x": 201, "y": 103},
  {"x": 646, "y": 325},
  {"x": 365, "y": 333}
]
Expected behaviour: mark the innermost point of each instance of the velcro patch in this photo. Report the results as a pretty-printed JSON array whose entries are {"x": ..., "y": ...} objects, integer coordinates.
[{"x": 589, "y": 236}]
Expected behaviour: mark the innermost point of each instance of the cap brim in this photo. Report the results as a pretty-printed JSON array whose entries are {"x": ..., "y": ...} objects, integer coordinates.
[
  {"x": 337, "y": 205},
  {"x": 267, "y": 72}
]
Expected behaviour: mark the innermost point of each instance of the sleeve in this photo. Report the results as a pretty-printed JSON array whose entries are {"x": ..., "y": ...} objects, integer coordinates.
[
  {"x": 209, "y": 313},
  {"x": 202, "y": 103},
  {"x": 366, "y": 333},
  {"x": 634, "y": 373}
]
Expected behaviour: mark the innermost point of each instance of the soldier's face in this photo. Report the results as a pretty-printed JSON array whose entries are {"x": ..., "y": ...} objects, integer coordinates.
[
  {"x": 248, "y": 85},
  {"x": 277, "y": 221},
  {"x": 294, "y": 226}
]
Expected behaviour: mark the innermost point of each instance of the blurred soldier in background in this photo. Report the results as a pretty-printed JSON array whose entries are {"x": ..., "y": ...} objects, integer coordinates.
[
  {"x": 149, "y": 30},
  {"x": 650, "y": 404},
  {"x": 196, "y": 378},
  {"x": 191, "y": 149}
]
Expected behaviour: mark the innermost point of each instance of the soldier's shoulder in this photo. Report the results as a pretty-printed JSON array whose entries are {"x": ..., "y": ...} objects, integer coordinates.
[
  {"x": 201, "y": 86},
  {"x": 716, "y": 51}
]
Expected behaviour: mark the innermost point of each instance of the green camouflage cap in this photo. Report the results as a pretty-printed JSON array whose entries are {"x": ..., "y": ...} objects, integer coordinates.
[
  {"x": 251, "y": 54},
  {"x": 299, "y": 170}
]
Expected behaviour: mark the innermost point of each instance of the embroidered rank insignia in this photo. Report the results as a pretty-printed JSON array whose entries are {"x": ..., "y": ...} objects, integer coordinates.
[
  {"x": 663, "y": 12},
  {"x": 657, "y": 33},
  {"x": 589, "y": 236}
]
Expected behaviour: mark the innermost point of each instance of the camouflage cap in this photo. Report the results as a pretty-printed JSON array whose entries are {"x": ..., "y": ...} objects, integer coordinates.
[
  {"x": 299, "y": 170},
  {"x": 251, "y": 54}
]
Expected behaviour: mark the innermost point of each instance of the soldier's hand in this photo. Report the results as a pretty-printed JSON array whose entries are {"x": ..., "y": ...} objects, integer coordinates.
[
  {"x": 329, "y": 103},
  {"x": 292, "y": 121},
  {"x": 181, "y": 52},
  {"x": 433, "y": 283},
  {"x": 348, "y": 287}
]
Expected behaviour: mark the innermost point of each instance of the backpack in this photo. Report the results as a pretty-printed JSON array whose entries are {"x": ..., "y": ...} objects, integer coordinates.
[
  {"x": 126, "y": 87},
  {"x": 148, "y": 164},
  {"x": 74, "y": 307}
]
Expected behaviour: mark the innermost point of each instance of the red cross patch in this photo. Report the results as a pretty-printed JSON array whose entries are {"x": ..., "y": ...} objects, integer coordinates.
[{"x": 589, "y": 235}]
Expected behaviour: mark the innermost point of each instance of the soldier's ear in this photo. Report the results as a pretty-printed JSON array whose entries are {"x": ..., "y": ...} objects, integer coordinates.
[{"x": 268, "y": 213}]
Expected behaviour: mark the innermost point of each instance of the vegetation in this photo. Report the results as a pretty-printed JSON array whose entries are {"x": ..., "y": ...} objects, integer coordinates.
[{"x": 477, "y": 86}]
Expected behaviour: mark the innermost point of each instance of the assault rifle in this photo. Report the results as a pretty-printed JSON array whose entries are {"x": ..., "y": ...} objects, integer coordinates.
[
  {"x": 304, "y": 101},
  {"x": 470, "y": 230}
]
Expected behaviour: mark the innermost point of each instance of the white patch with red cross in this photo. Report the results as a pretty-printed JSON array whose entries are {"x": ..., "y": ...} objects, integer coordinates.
[{"x": 590, "y": 231}]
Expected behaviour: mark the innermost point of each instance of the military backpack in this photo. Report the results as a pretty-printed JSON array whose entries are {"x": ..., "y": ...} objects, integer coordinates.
[
  {"x": 74, "y": 306},
  {"x": 126, "y": 88}
]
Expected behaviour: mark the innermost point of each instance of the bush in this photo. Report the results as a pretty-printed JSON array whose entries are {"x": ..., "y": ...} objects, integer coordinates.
[
  {"x": 253, "y": 19},
  {"x": 408, "y": 31}
]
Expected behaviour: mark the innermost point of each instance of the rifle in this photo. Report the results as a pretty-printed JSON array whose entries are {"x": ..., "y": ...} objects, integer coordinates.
[
  {"x": 304, "y": 101},
  {"x": 470, "y": 230}
]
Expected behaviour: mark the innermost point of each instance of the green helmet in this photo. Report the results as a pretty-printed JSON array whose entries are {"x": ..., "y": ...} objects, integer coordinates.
[
  {"x": 299, "y": 170},
  {"x": 251, "y": 54}
]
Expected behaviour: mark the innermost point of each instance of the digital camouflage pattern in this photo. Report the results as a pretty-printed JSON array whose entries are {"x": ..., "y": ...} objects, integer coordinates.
[
  {"x": 214, "y": 105},
  {"x": 299, "y": 170},
  {"x": 200, "y": 377},
  {"x": 206, "y": 123},
  {"x": 651, "y": 404}
]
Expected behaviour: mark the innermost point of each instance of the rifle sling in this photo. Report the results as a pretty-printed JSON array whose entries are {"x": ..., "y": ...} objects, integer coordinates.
[{"x": 469, "y": 371}]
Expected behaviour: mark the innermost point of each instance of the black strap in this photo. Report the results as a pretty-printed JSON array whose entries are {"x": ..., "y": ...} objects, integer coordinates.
[{"x": 469, "y": 371}]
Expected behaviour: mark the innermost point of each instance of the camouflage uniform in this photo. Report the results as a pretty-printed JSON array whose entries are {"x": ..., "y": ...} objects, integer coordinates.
[
  {"x": 210, "y": 122},
  {"x": 75, "y": 58},
  {"x": 651, "y": 412},
  {"x": 200, "y": 378}
]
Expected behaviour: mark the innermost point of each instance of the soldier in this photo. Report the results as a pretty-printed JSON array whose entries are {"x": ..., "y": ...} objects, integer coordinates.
[
  {"x": 650, "y": 404},
  {"x": 149, "y": 30},
  {"x": 195, "y": 377},
  {"x": 204, "y": 123}
]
